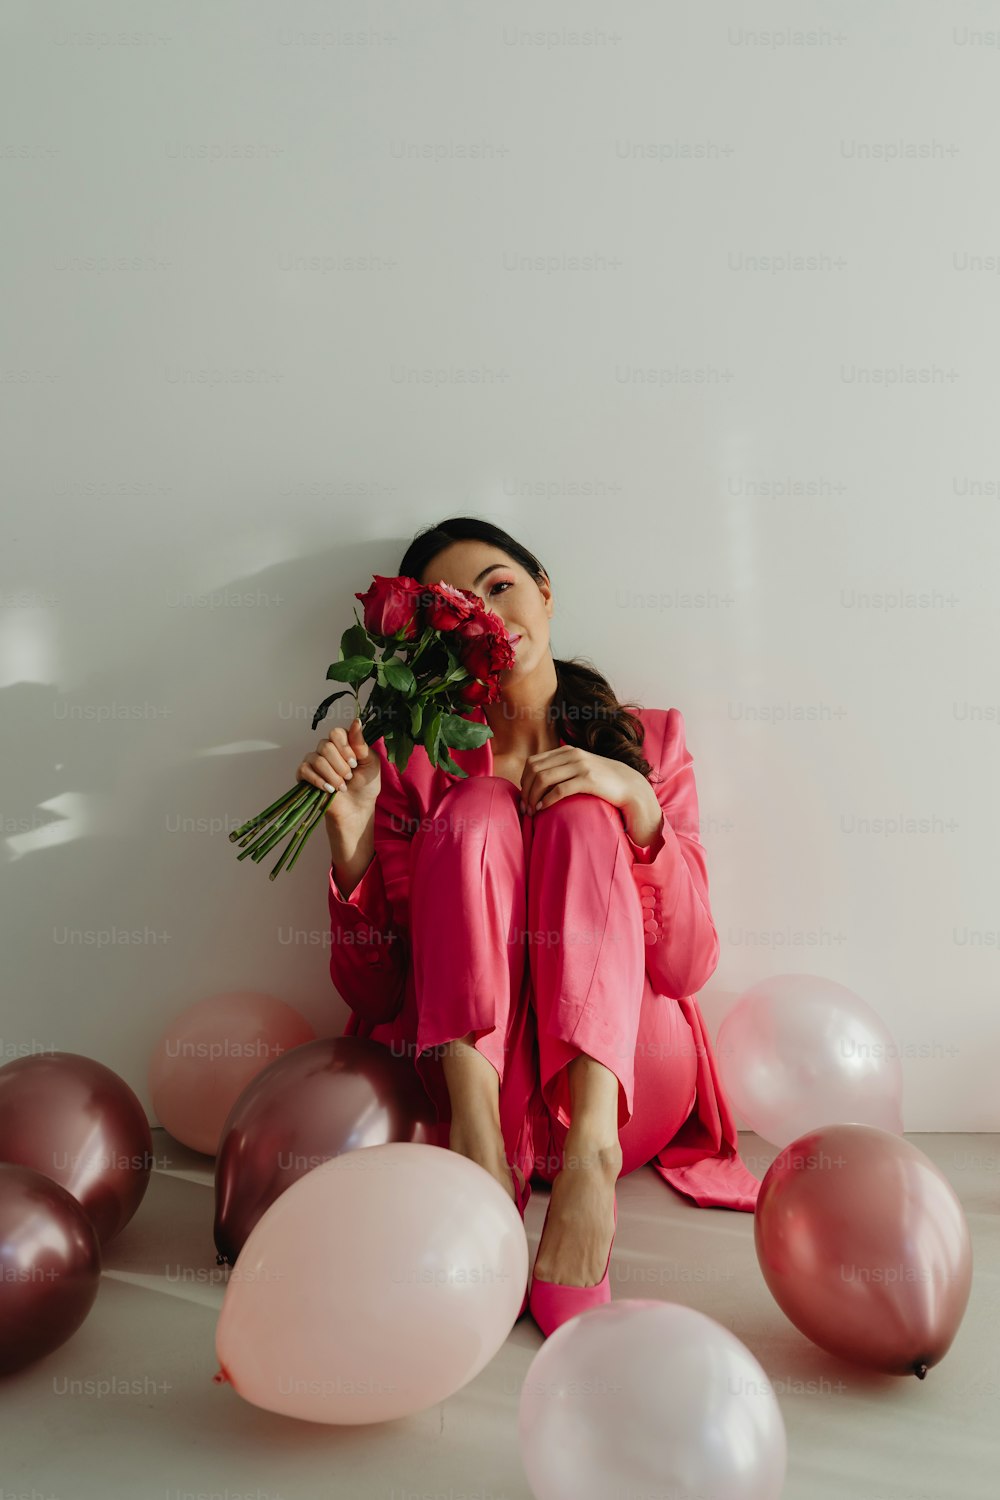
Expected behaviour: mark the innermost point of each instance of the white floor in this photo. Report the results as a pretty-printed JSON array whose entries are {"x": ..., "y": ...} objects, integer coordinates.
[{"x": 169, "y": 1432}]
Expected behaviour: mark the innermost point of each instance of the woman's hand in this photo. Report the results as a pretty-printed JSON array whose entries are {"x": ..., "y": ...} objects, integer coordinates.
[
  {"x": 344, "y": 763},
  {"x": 553, "y": 774}
]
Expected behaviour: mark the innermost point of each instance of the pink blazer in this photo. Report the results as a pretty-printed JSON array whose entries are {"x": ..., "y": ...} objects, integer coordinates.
[{"x": 369, "y": 960}]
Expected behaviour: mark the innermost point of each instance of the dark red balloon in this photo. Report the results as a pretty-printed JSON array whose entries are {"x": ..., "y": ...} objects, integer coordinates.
[
  {"x": 50, "y": 1266},
  {"x": 74, "y": 1120},
  {"x": 313, "y": 1103}
]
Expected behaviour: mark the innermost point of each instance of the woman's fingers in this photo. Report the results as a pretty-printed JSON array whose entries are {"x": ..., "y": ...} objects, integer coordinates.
[
  {"x": 317, "y": 771},
  {"x": 332, "y": 754},
  {"x": 335, "y": 761},
  {"x": 356, "y": 739}
]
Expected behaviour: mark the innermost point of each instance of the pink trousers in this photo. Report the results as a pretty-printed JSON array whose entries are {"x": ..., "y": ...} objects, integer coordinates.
[{"x": 526, "y": 930}]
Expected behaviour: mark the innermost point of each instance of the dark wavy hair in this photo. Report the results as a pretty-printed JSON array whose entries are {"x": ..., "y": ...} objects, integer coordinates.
[{"x": 585, "y": 707}]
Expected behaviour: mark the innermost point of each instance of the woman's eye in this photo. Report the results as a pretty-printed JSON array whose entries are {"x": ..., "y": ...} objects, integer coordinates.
[{"x": 503, "y": 584}]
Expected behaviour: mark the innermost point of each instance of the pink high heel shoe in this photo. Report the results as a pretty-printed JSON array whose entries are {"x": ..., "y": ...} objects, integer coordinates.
[{"x": 553, "y": 1303}]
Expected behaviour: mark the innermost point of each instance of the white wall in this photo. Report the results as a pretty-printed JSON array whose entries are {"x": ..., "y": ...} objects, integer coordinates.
[{"x": 186, "y": 202}]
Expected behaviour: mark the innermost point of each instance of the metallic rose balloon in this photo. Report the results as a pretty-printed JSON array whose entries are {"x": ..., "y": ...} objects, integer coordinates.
[
  {"x": 322, "y": 1098},
  {"x": 77, "y": 1122},
  {"x": 864, "y": 1246},
  {"x": 50, "y": 1260}
]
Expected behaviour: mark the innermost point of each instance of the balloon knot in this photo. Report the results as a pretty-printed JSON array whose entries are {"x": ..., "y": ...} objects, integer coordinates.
[
  {"x": 920, "y": 1369},
  {"x": 221, "y": 1375},
  {"x": 222, "y": 1260}
]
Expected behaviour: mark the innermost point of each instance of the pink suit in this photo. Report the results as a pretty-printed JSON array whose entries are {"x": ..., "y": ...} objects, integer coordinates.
[{"x": 547, "y": 935}]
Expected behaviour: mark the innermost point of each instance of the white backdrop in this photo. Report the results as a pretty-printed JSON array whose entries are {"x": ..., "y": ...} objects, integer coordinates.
[{"x": 699, "y": 301}]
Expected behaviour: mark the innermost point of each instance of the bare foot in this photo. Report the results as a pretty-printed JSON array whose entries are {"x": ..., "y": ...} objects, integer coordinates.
[
  {"x": 489, "y": 1153},
  {"x": 573, "y": 1250}
]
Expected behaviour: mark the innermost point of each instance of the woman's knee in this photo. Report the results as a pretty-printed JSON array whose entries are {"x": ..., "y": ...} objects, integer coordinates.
[
  {"x": 466, "y": 810},
  {"x": 576, "y": 809},
  {"x": 470, "y": 805}
]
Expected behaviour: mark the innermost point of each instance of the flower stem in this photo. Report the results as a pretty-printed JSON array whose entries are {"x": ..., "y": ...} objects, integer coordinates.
[
  {"x": 297, "y": 841},
  {"x": 428, "y": 636},
  {"x": 265, "y": 816},
  {"x": 291, "y": 824},
  {"x": 287, "y": 811},
  {"x": 287, "y": 820}
]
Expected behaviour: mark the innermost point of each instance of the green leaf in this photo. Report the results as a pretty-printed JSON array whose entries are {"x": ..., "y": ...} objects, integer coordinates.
[
  {"x": 353, "y": 669},
  {"x": 416, "y": 714},
  {"x": 449, "y": 764},
  {"x": 356, "y": 642},
  {"x": 398, "y": 675},
  {"x": 463, "y": 734},
  {"x": 432, "y": 736},
  {"x": 321, "y": 712},
  {"x": 399, "y": 747}
]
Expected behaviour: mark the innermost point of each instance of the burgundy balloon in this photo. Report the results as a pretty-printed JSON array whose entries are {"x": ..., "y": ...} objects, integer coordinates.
[
  {"x": 77, "y": 1122},
  {"x": 314, "y": 1102},
  {"x": 865, "y": 1247},
  {"x": 50, "y": 1266}
]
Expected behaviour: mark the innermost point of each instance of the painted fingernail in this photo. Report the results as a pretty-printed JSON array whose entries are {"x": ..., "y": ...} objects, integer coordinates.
[
  {"x": 351, "y": 761},
  {"x": 329, "y": 787},
  {"x": 348, "y": 775}
]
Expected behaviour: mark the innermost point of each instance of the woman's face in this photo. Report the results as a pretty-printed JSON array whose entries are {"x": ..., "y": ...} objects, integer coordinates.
[{"x": 505, "y": 587}]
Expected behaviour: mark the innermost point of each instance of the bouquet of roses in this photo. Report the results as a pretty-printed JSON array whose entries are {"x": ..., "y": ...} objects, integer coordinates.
[{"x": 441, "y": 651}]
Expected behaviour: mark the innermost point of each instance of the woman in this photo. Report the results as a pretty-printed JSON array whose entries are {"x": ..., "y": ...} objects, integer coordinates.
[{"x": 585, "y": 1056}]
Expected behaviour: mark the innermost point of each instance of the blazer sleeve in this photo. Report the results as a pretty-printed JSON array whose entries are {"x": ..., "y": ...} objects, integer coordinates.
[
  {"x": 370, "y": 942},
  {"x": 682, "y": 944}
]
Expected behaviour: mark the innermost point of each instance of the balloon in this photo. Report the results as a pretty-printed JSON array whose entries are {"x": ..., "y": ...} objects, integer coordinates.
[
  {"x": 642, "y": 1397},
  {"x": 320, "y": 1099},
  {"x": 50, "y": 1265},
  {"x": 208, "y": 1054},
  {"x": 77, "y": 1122},
  {"x": 798, "y": 1051},
  {"x": 378, "y": 1284},
  {"x": 865, "y": 1247}
]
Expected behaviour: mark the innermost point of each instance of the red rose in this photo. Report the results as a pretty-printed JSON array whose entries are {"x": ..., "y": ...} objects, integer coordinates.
[
  {"x": 484, "y": 651},
  {"x": 475, "y": 693},
  {"x": 445, "y": 607},
  {"x": 392, "y": 605}
]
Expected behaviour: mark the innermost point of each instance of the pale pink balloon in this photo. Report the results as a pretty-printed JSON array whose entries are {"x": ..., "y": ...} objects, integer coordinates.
[
  {"x": 205, "y": 1058},
  {"x": 376, "y": 1285},
  {"x": 865, "y": 1247},
  {"x": 642, "y": 1397},
  {"x": 798, "y": 1051}
]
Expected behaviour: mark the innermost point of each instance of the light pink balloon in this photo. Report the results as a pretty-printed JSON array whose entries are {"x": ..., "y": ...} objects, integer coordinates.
[
  {"x": 642, "y": 1397},
  {"x": 376, "y": 1285},
  {"x": 205, "y": 1058},
  {"x": 798, "y": 1051},
  {"x": 865, "y": 1247}
]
